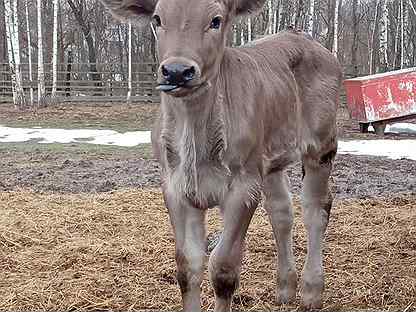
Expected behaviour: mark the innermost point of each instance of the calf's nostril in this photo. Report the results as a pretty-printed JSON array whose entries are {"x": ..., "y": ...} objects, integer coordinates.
[
  {"x": 165, "y": 72},
  {"x": 189, "y": 73}
]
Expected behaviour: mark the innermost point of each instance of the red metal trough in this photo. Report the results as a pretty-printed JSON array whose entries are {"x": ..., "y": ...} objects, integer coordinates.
[{"x": 382, "y": 98}]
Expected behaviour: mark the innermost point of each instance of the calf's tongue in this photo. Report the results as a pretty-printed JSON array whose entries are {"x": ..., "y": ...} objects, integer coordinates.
[{"x": 166, "y": 87}]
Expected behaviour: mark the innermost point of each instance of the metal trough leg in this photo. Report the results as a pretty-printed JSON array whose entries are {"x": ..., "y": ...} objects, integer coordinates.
[
  {"x": 364, "y": 127},
  {"x": 379, "y": 128}
]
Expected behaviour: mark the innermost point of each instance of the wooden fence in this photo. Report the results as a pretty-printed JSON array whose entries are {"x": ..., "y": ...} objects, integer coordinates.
[
  {"x": 77, "y": 82},
  {"x": 80, "y": 82}
]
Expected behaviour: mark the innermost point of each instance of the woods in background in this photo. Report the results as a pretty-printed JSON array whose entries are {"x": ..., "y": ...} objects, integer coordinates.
[{"x": 367, "y": 37}]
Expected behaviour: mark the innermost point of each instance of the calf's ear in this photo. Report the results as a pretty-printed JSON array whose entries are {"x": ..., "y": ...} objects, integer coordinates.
[
  {"x": 247, "y": 7},
  {"x": 133, "y": 11}
]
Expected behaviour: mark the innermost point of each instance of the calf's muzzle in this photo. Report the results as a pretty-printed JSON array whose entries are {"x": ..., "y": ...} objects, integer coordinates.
[{"x": 177, "y": 73}]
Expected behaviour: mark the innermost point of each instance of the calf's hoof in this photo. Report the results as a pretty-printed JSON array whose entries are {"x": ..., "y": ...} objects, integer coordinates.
[
  {"x": 311, "y": 306},
  {"x": 312, "y": 295},
  {"x": 287, "y": 289}
]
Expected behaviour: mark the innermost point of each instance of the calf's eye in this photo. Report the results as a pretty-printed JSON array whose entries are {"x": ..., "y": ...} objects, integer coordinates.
[
  {"x": 157, "y": 21},
  {"x": 215, "y": 23}
]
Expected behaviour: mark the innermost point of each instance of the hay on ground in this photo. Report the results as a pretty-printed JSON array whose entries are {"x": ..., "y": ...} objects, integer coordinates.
[{"x": 115, "y": 251}]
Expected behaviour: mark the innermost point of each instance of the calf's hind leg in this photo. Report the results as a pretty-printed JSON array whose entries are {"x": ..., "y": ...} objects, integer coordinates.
[
  {"x": 278, "y": 205},
  {"x": 316, "y": 204}
]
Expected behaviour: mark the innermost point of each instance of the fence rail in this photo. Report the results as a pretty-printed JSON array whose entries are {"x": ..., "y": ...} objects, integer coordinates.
[{"x": 81, "y": 82}]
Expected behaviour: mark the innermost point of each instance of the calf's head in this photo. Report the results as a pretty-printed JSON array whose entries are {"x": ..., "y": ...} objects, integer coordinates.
[{"x": 191, "y": 36}]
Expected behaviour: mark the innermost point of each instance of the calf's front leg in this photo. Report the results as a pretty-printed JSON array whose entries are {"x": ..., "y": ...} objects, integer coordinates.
[
  {"x": 225, "y": 261},
  {"x": 188, "y": 225}
]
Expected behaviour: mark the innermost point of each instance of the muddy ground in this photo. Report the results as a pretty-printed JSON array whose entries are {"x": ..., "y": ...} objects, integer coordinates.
[{"x": 83, "y": 168}]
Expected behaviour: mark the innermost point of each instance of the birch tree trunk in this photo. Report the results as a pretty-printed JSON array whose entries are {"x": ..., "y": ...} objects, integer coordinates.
[
  {"x": 383, "y": 39},
  {"x": 249, "y": 33},
  {"x": 311, "y": 18},
  {"x": 14, "y": 34},
  {"x": 9, "y": 41},
  {"x": 242, "y": 33},
  {"x": 270, "y": 18},
  {"x": 129, "y": 65},
  {"x": 276, "y": 16},
  {"x": 29, "y": 51},
  {"x": 234, "y": 30},
  {"x": 55, "y": 49},
  {"x": 41, "y": 70},
  {"x": 336, "y": 16}
]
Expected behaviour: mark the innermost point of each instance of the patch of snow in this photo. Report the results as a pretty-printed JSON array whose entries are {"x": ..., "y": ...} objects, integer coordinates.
[
  {"x": 123, "y": 139},
  {"x": 401, "y": 127},
  {"x": 394, "y": 149},
  {"x": 91, "y": 136}
]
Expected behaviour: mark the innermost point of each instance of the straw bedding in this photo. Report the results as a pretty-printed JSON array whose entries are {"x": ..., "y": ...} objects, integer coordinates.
[{"x": 115, "y": 251}]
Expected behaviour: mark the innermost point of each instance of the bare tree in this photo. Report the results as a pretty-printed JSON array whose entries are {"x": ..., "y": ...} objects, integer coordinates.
[
  {"x": 311, "y": 17},
  {"x": 354, "y": 46},
  {"x": 9, "y": 43},
  {"x": 270, "y": 29},
  {"x": 336, "y": 23},
  {"x": 78, "y": 9},
  {"x": 12, "y": 34},
  {"x": 41, "y": 69},
  {"x": 29, "y": 51},
  {"x": 242, "y": 26},
  {"x": 402, "y": 21},
  {"x": 129, "y": 67},
  {"x": 3, "y": 43},
  {"x": 396, "y": 39},
  {"x": 372, "y": 49},
  {"x": 383, "y": 38},
  {"x": 55, "y": 48},
  {"x": 298, "y": 16},
  {"x": 21, "y": 101},
  {"x": 249, "y": 30}
]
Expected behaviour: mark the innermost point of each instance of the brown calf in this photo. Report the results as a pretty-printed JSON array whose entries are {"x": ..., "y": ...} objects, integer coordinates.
[{"x": 231, "y": 121}]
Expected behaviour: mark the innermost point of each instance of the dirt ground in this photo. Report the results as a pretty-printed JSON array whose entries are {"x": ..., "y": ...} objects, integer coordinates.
[
  {"x": 83, "y": 115},
  {"x": 78, "y": 169},
  {"x": 43, "y": 170}
]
